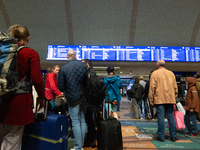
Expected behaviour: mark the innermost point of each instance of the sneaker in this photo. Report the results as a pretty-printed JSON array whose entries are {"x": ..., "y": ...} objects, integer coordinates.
[{"x": 191, "y": 135}]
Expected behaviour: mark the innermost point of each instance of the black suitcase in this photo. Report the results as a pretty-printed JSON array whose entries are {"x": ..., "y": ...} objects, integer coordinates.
[{"x": 109, "y": 133}]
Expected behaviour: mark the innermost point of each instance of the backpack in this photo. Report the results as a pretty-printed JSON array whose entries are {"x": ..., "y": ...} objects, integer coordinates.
[
  {"x": 9, "y": 76},
  {"x": 95, "y": 89}
]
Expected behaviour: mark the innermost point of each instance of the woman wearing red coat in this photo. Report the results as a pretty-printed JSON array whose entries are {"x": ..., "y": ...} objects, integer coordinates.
[{"x": 17, "y": 110}]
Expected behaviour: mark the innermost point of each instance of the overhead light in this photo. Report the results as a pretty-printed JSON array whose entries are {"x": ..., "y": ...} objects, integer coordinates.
[{"x": 130, "y": 72}]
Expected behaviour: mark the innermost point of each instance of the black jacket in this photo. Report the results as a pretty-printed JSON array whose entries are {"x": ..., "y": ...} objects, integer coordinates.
[
  {"x": 71, "y": 78},
  {"x": 137, "y": 91}
]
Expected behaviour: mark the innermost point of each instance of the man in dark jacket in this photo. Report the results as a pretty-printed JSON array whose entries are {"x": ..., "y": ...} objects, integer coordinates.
[
  {"x": 89, "y": 116},
  {"x": 71, "y": 78},
  {"x": 136, "y": 95}
]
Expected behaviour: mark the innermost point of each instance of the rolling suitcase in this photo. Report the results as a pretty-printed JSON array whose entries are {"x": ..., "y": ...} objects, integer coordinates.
[
  {"x": 109, "y": 133},
  {"x": 48, "y": 133}
]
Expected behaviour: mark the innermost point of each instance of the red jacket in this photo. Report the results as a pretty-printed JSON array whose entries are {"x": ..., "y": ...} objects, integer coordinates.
[
  {"x": 18, "y": 109},
  {"x": 51, "y": 89}
]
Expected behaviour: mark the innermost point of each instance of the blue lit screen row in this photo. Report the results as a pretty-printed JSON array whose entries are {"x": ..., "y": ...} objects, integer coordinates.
[{"x": 125, "y": 53}]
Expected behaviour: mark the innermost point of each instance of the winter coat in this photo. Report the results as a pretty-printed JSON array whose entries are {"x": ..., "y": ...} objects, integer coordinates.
[
  {"x": 51, "y": 89},
  {"x": 198, "y": 88},
  {"x": 192, "y": 98},
  {"x": 71, "y": 78},
  {"x": 163, "y": 88},
  {"x": 113, "y": 85},
  {"x": 18, "y": 109},
  {"x": 137, "y": 91}
]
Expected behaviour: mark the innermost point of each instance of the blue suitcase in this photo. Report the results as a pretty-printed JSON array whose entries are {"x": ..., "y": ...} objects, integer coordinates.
[
  {"x": 47, "y": 132},
  {"x": 48, "y": 135}
]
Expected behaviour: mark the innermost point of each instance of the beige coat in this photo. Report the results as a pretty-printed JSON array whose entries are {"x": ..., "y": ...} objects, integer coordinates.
[{"x": 163, "y": 88}]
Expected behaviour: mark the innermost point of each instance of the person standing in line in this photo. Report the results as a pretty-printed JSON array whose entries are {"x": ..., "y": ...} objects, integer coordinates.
[
  {"x": 198, "y": 88},
  {"x": 113, "y": 85},
  {"x": 49, "y": 70},
  {"x": 71, "y": 80},
  {"x": 163, "y": 92},
  {"x": 90, "y": 140},
  {"x": 191, "y": 107},
  {"x": 146, "y": 92},
  {"x": 136, "y": 95},
  {"x": 51, "y": 88},
  {"x": 17, "y": 110},
  {"x": 143, "y": 100}
]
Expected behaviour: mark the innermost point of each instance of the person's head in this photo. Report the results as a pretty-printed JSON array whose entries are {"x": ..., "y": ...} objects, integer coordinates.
[
  {"x": 110, "y": 70},
  {"x": 49, "y": 70},
  {"x": 198, "y": 74},
  {"x": 137, "y": 80},
  {"x": 56, "y": 69},
  {"x": 88, "y": 62},
  {"x": 141, "y": 78},
  {"x": 71, "y": 54},
  {"x": 160, "y": 64},
  {"x": 21, "y": 33}
]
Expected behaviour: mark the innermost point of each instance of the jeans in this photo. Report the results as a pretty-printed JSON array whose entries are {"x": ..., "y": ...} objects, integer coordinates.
[
  {"x": 191, "y": 122},
  {"x": 77, "y": 114},
  {"x": 89, "y": 118},
  {"x": 161, "y": 109}
]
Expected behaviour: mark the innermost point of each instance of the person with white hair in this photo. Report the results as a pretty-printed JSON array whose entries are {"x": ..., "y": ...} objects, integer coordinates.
[
  {"x": 163, "y": 92},
  {"x": 71, "y": 79}
]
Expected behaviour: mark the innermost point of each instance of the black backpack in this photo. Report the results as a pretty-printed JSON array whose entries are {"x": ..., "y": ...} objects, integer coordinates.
[{"x": 95, "y": 89}]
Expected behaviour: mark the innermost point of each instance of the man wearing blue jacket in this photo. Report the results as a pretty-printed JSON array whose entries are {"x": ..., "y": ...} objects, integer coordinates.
[
  {"x": 71, "y": 79},
  {"x": 113, "y": 86}
]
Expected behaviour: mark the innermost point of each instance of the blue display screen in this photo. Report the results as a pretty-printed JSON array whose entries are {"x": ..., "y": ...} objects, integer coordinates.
[{"x": 125, "y": 53}]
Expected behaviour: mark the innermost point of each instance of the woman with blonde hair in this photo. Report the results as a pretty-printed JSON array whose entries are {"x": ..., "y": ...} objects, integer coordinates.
[{"x": 16, "y": 110}]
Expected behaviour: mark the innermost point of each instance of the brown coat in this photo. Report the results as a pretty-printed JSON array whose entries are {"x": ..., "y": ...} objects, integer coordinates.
[
  {"x": 163, "y": 88},
  {"x": 192, "y": 98}
]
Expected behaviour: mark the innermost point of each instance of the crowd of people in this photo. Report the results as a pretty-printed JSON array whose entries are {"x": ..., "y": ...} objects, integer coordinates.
[
  {"x": 69, "y": 81},
  {"x": 161, "y": 91}
]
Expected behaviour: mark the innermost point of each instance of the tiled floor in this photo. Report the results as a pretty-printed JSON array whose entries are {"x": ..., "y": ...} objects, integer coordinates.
[{"x": 132, "y": 127}]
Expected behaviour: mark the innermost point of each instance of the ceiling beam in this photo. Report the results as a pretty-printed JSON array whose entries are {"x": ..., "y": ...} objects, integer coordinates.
[
  {"x": 69, "y": 22},
  {"x": 195, "y": 31},
  {"x": 5, "y": 14},
  {"x": 133, "y": 22}
]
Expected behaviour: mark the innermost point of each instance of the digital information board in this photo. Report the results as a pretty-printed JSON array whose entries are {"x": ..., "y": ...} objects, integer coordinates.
[{"x": 125, "y": 53}]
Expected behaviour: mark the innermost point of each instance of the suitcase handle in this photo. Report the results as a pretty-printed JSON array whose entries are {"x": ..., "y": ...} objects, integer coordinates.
[
  {"x": 41, "y": 116},
  {"x": 107, "y": 94}
]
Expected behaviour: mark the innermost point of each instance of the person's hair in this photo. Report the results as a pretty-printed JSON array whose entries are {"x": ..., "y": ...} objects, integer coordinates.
[
  {"x": 56, "y": 66},
  {"x": 149, "y": 75},
  {"x": 18, "y": 32},
  {"x": 161, "y": 63},
  {"x": 198, "y": 74},
  {"x": 49, "y": 70},
  {"x": 71, "y": 54},
  {"x": 110, "y": 69},
  {"x": 88, "y": 61},
  {"x": 137, "y": 80}
]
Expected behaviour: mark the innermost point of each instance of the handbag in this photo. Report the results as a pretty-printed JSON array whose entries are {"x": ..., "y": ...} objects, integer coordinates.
[
  {"x": 179, "y": 119},
  {"x": 180, "y": 107}
]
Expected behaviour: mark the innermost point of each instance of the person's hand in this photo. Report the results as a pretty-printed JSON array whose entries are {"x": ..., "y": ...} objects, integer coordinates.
[
  {"x": 151, "y": 103},
  {"x": 191, "y": 110},
  {"x": 61, "y": 95},
  {"x": 41, "y": 102}
]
